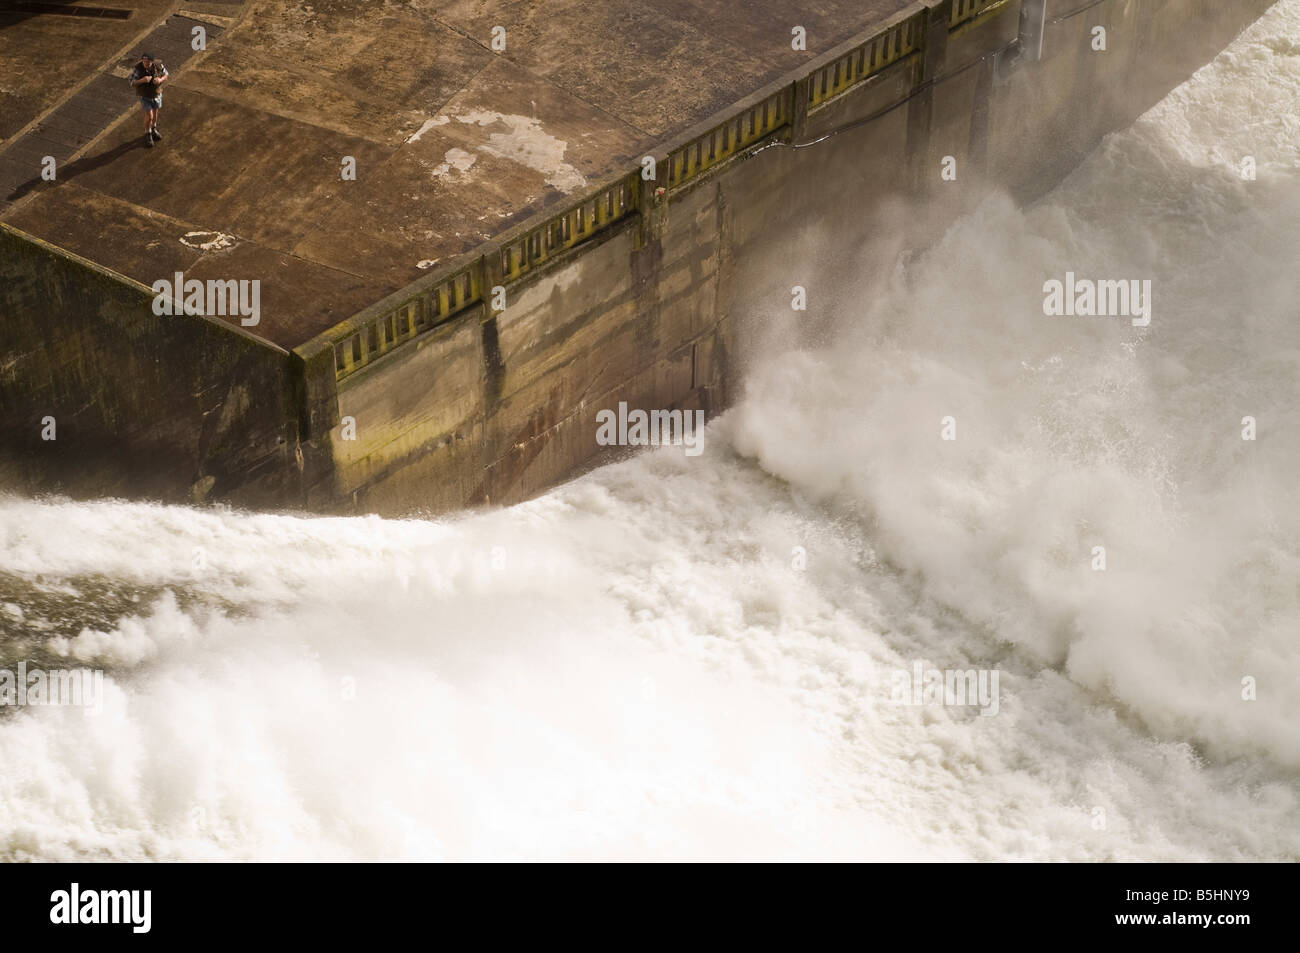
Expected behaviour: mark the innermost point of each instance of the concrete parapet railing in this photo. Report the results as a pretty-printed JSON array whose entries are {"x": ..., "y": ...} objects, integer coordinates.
[
  {"x": 866, "y": 59},
  {"x": 773, "y": 112},
  {"x": 574, "y": 225},
  {"x": 733, "y": 135},
  {"x": 380, "y": 328},
  {"x": 467, "y": 281}
]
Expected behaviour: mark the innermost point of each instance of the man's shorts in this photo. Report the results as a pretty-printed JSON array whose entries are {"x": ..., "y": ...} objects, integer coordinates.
[{"x": 148, "y": 104}]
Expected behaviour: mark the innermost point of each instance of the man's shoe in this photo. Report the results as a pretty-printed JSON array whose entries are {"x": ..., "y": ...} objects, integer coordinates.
[
  {"x": 155, "y": 134},
  {"x": 148, "y": 141}
]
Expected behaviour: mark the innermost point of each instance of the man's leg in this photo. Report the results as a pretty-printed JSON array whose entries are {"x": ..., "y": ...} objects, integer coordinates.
[
  {"x": 153, "y": 124},
  {"x": 148, "y": 124}
]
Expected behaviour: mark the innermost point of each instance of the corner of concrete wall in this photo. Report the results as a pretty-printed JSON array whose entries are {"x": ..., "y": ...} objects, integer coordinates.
[{"x": 101, "y": 397}]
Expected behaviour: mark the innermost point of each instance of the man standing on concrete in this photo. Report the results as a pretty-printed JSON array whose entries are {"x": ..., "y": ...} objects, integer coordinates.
[{"x": 147, "y": 79}]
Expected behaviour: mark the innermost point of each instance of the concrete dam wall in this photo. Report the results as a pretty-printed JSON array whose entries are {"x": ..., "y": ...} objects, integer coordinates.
[{"x": 481, "y": 381}]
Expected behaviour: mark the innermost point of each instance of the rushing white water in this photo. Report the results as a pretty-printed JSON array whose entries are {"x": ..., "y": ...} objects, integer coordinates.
[{"x": 633, "y": 666}]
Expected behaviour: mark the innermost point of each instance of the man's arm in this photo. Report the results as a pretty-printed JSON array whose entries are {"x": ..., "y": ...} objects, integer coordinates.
[{"x": 165, "y": 75}]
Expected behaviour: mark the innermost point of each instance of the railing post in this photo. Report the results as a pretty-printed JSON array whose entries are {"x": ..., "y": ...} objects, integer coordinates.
[
  {"x": 799, "y": 109},
  {"x": 652, "y": 203},
  {"x": 934, "y": 47},
  {"x": 315, "y": 389},
  {"x": 936, "y": 39},
  {"x": 491, "y": 273}
]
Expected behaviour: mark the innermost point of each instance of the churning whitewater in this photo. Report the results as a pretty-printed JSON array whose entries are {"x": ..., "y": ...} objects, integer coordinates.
[{"x": 691, "y": 656}]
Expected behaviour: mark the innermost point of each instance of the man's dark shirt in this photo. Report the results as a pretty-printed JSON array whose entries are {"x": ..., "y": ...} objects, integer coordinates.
[{"x": 148, "y": 90}]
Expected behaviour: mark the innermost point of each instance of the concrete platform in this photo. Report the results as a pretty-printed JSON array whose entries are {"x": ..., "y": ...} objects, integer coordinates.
[
  {"x": 47, "y": 57},
  {"x": 453, "y": 142}
]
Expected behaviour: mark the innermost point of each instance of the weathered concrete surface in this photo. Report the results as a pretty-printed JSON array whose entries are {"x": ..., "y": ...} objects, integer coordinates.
[
  {"x": 102, "y": 397},
  {"x": 497, "y": 407},
  {"x": 453, "y": 142},
  {"x": 67, "y": 130},
  {"x": 668, "y": 324},
  {"x": 47, "y": 57}
]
